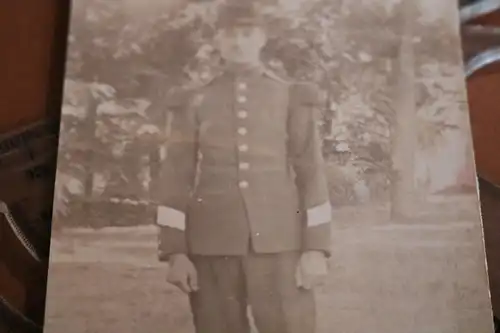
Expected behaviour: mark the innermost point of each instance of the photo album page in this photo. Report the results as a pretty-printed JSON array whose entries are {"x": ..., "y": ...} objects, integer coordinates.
[{"x": 267, "y": 166}]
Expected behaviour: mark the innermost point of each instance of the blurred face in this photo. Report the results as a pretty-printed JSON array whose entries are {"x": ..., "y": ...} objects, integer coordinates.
[{"x": 241, "y": 45}]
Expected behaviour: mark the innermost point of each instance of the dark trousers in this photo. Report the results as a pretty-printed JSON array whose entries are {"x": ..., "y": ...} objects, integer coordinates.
[{"x": 265, "y": 282}]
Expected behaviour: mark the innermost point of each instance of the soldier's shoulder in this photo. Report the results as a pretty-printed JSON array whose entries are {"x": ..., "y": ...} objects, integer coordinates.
[
  {"x": 277, "y": 76},
  {"x": 177, "y": 98},
  {"x": 303, "y": 85},
  {"x": 208, "y": 80},
  {"x": 306, "y": 91},
  {"x": 189, "y": 94}
]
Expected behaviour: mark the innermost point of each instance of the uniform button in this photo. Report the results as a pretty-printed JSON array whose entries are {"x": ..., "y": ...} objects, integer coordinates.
[
  {"x": 242, "y": 85},
  {"x": 242, "y": 114},
  {"x": 243, "y": 147},
  {"x": 243, "y": 184},
  {"x": 244, "y": 166},
  {"x": 241, "y": 99},
  {"x": 242, "y": 131}
]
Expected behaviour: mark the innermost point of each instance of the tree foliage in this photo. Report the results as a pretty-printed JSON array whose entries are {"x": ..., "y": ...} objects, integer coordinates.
[{"x": 122, "y": 65}]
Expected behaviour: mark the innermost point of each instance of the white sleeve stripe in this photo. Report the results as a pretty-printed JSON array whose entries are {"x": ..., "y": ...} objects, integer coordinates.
[
  {"x": 319, "y": 215},
  {"x": 169, "y": 217}
]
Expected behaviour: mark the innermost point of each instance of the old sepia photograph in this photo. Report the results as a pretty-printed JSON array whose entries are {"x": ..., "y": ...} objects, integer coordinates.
[{"x": 267, "y": 166}]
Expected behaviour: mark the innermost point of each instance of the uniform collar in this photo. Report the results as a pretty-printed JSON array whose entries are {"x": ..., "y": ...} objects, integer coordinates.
[{"x": 245, "y": 71}]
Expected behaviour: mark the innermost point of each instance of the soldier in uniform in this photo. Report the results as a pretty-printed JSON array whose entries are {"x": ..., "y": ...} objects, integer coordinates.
[{"x": 244, "y": 215}]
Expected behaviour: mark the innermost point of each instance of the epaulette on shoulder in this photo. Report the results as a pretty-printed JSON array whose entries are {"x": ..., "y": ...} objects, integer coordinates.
[
  {"x": 307, "y": 92},
  {"x": 177, "y": 98},
  {"x": 208, "y": 80},
  {"x": 303, "y": 83},
  {"x": 277, "y": 77}
]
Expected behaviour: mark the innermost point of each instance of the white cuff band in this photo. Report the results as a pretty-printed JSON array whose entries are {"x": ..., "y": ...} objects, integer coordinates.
[
  {"x": 169, "y": 217},
  {"x": 319, "y": 215}
]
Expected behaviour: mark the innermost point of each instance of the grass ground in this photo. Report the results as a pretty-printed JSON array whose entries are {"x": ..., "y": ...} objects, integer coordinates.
[{"x": 421, "y": 277}]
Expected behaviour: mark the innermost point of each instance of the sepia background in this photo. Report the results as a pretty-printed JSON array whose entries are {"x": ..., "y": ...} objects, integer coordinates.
[{"x": 407, "y": 243}]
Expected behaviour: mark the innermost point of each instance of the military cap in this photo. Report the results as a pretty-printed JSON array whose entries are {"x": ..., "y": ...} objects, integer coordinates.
[{"x": 238, "y": 14}]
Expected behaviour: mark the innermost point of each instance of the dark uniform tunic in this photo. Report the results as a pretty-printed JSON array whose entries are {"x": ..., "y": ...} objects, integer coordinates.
[
  {"x": 244, "y": 193},
  {"x": 253, "y": 140}
]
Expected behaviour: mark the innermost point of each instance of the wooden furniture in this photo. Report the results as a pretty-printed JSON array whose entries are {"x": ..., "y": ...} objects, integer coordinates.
[
  {"x": 33, "y": 38},
  {"x": 481, "y": 45},
  {"x": 30, "y": 32}
]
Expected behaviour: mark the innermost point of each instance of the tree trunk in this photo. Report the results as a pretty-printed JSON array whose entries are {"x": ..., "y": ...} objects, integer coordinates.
[
  {"x": 89, "y": 132},
  {"x": 154, "y": 160},
  {"x": 404, "y": 134},
  {"x": 157, "y": 151}
]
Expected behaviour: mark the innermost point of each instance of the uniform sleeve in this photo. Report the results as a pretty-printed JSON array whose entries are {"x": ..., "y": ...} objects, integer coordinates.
[
  {"x": 307, "y": 160},
  {"x": 177, "y": 178}
]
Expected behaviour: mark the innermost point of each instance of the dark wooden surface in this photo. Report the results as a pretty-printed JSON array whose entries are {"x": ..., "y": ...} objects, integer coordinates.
[
  {"x": 490, "y": 206},
  {"x": 484, "y": 105},
  {"x": 26, "y": 35},
  {"x": 33, "y": 38}
]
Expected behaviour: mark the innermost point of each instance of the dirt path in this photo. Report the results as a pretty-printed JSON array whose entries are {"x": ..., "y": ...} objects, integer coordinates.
[{"x": 385, "y": 278}]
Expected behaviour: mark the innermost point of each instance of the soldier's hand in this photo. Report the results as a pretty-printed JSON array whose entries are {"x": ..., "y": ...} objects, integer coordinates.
[
  {"x": 311, "y": 269},
  {"x": 182, "y": 273}
]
